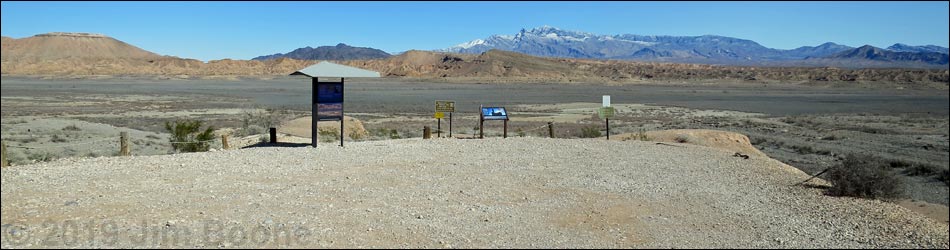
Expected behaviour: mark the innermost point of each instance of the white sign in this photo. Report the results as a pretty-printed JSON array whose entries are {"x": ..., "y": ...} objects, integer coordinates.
[{"x": 606, "y": 101}]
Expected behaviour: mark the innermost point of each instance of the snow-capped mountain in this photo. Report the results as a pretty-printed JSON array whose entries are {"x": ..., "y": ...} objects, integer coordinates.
[
  {"x": 553, "y": 42},
  {"x": 900, "y": 47}
]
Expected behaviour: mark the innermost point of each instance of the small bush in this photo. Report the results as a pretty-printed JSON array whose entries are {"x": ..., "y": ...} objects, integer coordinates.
[
  {"x": 27, "y": 140},
  {"x": 922, "y": 170},
  {"x": 72, "y": 128},
  {"x": 805, "y": 150},
  {"x": 186, "y": 136},
  {"x": 900, "y": 164},
  {"x": 641, "y": 135},
  {"x": 590, "y": 132},
  {"x": 57, "y": 139},
  {"x": 832, "y": 138},
  {"x": 944, "y": 177},
  {"x": 328, "y": 135},
  {"x": 682, "y": 138},
  {"x": 355, "y": 135},
  {"x": 758, "y": 141},
  {"x": 40, "y": 157},
  {"x": 864, "y": 177},
  {"x": 393, "y": 134},
  {"x": 520, "y": 132}
]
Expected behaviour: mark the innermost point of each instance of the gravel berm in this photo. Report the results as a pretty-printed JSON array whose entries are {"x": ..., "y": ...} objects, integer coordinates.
[{"x": 445, "y": 193}]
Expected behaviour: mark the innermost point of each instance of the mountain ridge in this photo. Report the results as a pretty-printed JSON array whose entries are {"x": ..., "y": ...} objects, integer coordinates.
[
  {"x": 547, "y": 41},
  {"x": 339, "y": 52}
]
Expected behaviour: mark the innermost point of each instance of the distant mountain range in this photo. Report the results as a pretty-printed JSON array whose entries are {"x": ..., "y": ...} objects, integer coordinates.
[
  {"x": 338, "y": 52},
  {"x": 83, "y": 54},
  {"x": 549, "y": 41}
]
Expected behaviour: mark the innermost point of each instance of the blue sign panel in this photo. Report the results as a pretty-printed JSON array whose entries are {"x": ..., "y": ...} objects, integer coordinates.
[
  {"x": 330, "y": 101},
  {"x": 494, "y": 113}
]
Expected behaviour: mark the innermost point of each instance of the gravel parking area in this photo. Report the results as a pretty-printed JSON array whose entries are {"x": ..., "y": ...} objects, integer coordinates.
[{"x": 445, "y": 193}]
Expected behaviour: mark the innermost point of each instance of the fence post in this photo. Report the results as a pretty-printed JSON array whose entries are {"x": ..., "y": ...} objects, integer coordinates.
[
  {"x": 273, "y": 135},
  {"x": 551, "y": 129},
  {"x": 224, "y": 142},
  {"x": 124, "y": 149},
  {"x": 426, "y": 133},
  {"x": 5, "y": 161}
]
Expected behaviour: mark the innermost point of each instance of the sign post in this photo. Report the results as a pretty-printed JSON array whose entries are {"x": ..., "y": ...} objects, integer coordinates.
[
  {"x": 606, "y": 112},
  {"x": 442, "y": 107}
]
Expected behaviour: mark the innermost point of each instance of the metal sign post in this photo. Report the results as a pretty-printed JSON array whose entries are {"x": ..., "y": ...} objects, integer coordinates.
[
  {"x": 606, "y": 102},
  {"x": 606, "y": 113},
  {"x": 442, "y": 107}
]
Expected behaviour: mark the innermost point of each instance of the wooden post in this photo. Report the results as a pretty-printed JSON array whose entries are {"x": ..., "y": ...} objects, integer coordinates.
[
  {"x": 438, "y": 130},
  {"x": 551, "y": 129},
  {"x": 124, "y": 149},
  {"x": 313, "y": 111},
  {"x": 426, "y": 133},
  {"x": 481, "y": 123},
  {"x": 5, "y": 162},
  {"x": 224, "y": 142},
  {"x": 505, "y": 133},
  {"x": 342, "y": 112},
  {"x": 481, "y": 128},
  {"x": 273, "y": 135},
  {"x": 608, "y": 129},
  {"x": 450, "y": 125}
]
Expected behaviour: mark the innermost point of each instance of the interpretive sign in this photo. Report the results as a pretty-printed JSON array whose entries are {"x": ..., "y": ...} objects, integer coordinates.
[
  {"x": 494, "y": 113},
  {"x": 329, "y": 101},
  {"x": 606, "y": 112},
  {"x": 445, "y": 106}
]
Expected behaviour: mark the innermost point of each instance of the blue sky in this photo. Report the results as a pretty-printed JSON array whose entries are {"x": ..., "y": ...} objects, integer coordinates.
[{"x": 242, "y": 30}]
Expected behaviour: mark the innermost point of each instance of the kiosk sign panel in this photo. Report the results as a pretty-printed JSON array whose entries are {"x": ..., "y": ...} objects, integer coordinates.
[
  {"x": 330, "y": 101},
  {"x": 494, "y": 113}
]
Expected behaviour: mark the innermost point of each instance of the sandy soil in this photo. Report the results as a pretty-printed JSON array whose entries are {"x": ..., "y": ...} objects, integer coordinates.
[{"x": 496, "y": 193}]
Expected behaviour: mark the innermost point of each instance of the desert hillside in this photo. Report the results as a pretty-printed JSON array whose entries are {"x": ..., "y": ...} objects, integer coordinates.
[
  {"x": 81, "y": 54},
  {"x": 77, "y": 46},
  {"x": 492, "y": 193}
]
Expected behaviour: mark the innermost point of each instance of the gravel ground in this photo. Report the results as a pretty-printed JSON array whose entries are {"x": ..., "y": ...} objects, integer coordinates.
[{"x": 493, "y": 193}]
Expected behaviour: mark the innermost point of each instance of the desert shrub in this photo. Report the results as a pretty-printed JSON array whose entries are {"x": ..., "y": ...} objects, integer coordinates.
[
  {"x": 805, "y": 150},
  {"x": 186, "y": 136},
  {"x": 27, "y": 140},
  {"x": 864, "y": 177},
  {"x": 394, "y": 134},
  {"x": 682, "y": 138},
  {"x": 57, "y": 139},
  {"x": 257, "y": 122},
  {"x": 832, "y": 138},
  {"x": 520, "y": 132},
  {"x": 40, "y": 156},
  {"x": 641, "y": 135},
  {"x": 590, "y": 132},
  {"x": 72, "y": 128},
  {"x": 900, "y": 164},
  {"x": 758, "y": 141},
  {"x": 355, "y": 135},
  {"x": 328, "y": 135},
  {"x": 922, "y": 170},
  {"x": 944, "y": 177}
]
